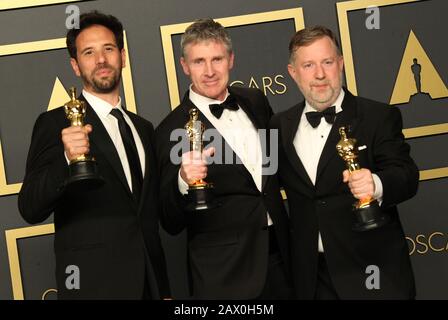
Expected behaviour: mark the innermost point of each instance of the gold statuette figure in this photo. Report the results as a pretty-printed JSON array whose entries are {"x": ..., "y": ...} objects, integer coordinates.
[
  {"x": 368, "y": 214},
  {"x": 200, "y": 193},
  {"x": 83, "y": 171}
]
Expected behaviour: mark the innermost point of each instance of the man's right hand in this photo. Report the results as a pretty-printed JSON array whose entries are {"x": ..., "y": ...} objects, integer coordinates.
[
  {"x": 76, "y": 141},
  {"x": 194, "y": 166}
]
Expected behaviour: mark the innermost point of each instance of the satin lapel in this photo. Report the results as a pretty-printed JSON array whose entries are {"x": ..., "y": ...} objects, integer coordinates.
[
  {"x": 289, "y": 129},
  {"x": 187, "y": 105},
  {"x": 102, "y": 141},
  {"x": 149, "y": 155},
  {"x": 246, "y": 106},
  {"x": 348, "y": 118}
]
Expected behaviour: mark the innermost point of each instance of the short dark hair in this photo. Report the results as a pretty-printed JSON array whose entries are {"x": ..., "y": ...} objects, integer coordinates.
[
  {"x": 92, "y": 18},
  {"x": 307, "y": 36},
  {"x": 205, "y": 30}
]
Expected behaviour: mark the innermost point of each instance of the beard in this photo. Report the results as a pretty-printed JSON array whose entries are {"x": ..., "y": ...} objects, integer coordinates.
[
  {"x": 322, "y": 100},
  {"x": 103, "y": 84},
  {"x": 322, "y": 97}
]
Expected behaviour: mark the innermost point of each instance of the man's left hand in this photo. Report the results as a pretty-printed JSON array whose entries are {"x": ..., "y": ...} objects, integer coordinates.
[{"x": 360, "y": 183}]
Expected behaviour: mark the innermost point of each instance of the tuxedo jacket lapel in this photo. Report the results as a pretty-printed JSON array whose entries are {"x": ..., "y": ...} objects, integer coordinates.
[
  {"x": 99, "y": 137},
  {"x": 289, "y": 129},
  {"x": 247, "y": 108},
  {"x": 147, "y": 147},
  {"x": 258, "y": 124},
  {"x": 347, "y": 118}
]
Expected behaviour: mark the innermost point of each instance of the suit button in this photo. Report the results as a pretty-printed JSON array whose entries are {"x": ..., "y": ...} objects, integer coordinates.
[
  {"x": 265, "y": 194},
  {"x": 322, "y": 202}
]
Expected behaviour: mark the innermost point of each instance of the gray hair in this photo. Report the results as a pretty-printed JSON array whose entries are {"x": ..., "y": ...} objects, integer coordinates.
[{"x": 205, "y": 30}]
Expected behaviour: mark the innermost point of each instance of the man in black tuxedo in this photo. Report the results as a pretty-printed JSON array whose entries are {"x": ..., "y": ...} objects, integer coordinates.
[
  {"x": 238, "y": 250},
  {"x": 329, "y": 259},
  {"x": 109, "y": 234}
]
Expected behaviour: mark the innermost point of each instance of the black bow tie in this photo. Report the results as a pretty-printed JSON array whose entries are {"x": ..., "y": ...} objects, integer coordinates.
[
  {"x": 217, "y": 109},
  {"x": 314, "y": 117}
]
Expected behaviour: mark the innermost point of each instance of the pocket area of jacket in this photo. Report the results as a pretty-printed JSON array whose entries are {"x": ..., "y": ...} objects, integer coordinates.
[{"x": 214, "y": 239}]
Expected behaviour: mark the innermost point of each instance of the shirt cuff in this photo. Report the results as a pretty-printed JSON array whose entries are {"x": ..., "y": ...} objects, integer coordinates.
[
  {"x": 66, "y": 158},
  {"x": 183, "y": 186},
  {"x": 378, "y": 194}
]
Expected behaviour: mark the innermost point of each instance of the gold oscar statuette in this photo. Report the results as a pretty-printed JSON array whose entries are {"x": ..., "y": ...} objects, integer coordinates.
[
  {"x": 368, "y": 214},
  {"x": 200, "y": 193},
  {"x": 83, "y": 171}
]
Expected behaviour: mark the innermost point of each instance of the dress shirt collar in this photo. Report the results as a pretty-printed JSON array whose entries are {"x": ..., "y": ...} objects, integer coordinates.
[
  {"x": 201, "y": 101},
  {"x": 101, "y": 107}
]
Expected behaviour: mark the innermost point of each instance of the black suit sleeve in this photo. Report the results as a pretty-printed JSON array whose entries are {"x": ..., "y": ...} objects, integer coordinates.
[
  {"x": 46, "y": 170},
  {"x": 398, "y": 173},
  {"x": 173, "y": 217}
]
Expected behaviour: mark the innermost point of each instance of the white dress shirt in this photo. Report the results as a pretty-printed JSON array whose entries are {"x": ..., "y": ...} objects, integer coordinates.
[
  {"x": 309, "y": 143},
  {"x": 240, "y": 134},
  {"x": 103, "y": 109}
]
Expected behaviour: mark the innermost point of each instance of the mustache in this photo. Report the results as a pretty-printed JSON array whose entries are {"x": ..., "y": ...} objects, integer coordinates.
[
  {"x": 103, "y": 66},
  {"x": 316, "y": 83}
]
